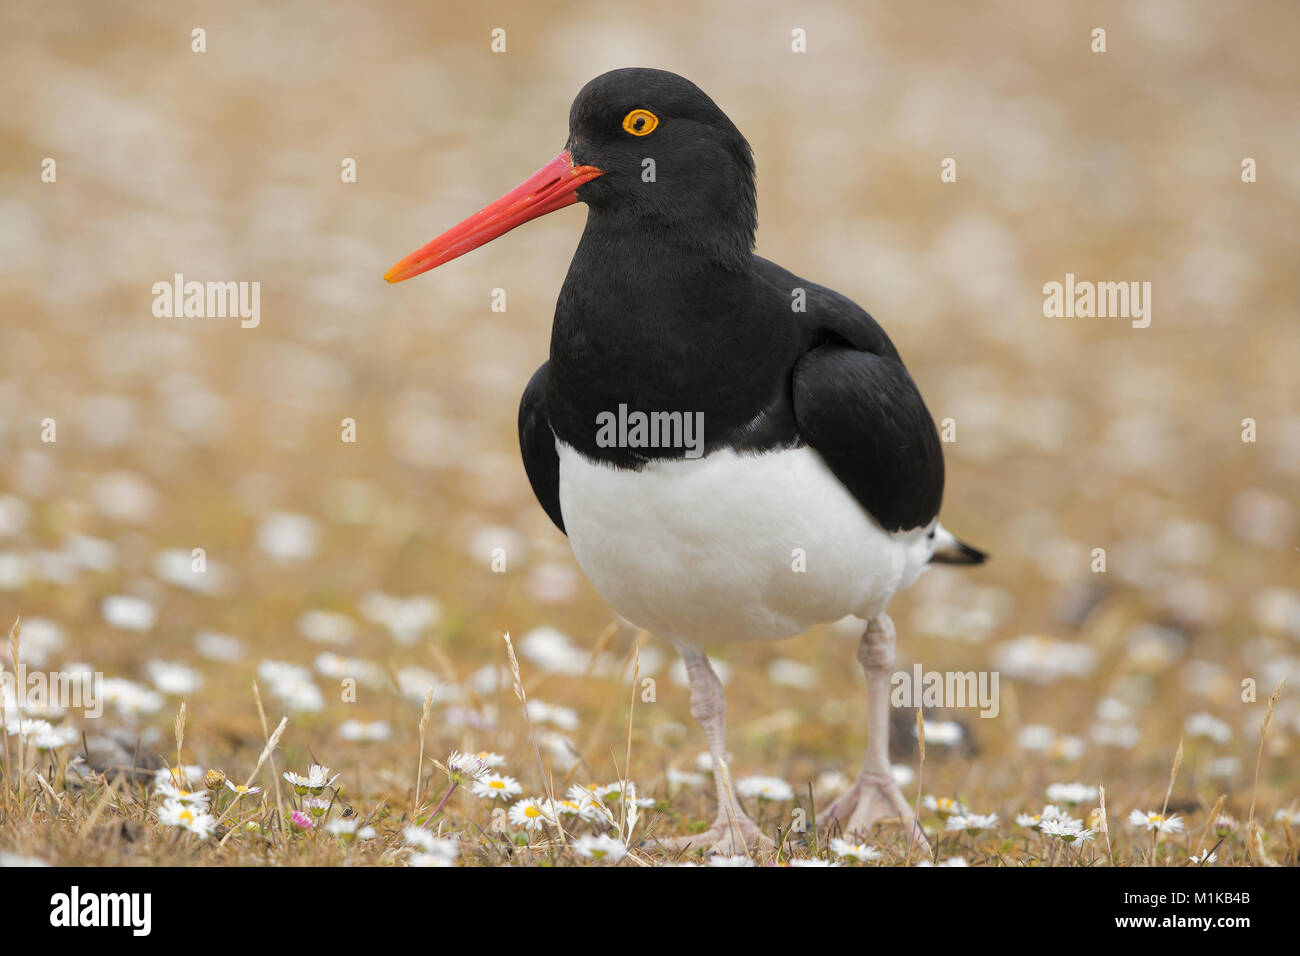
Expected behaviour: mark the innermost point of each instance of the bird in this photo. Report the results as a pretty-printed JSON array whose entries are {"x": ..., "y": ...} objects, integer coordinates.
[{"x": 734, "y": 452}]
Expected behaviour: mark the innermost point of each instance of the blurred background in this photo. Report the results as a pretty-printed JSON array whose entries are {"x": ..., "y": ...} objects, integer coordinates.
[{"x": 327, "y": 559}]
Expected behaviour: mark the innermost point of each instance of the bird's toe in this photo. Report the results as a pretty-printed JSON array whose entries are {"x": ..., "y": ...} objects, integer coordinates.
[
  {"x": 870, "y": 800},
  {"x": 726, "y": 837}
]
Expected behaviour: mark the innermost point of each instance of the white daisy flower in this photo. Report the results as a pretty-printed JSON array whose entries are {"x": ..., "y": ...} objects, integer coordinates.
[
  {"x": 540, "y": 712},
  {"x": 1066, "y": 832},
  {"x": 176, "y": 680},
  {"x": 128, "y": 613},
  {"x": 44, "y": 736},
  {"x": 602, "y": 848},
  {"x": 943, "y": 806},
  {"x": 316, "y": 806},
  {"x": 1207, "y": 725},
  {"x": 903, "y": 776},
  {"x": 337, "y": 667},
  {"x": 348, "y": 828},
  {"x": 764, "y": 788},
  {"x": 554, "y": 651},
  {"x": 789, "y": 673},
  {"x": 738, "y": 860},
  {"x": 316, "y": 780},
  {"x": 184, "y": 775},
  {"x": 218, "y": 647},
  {"x": 130, "y": 698},
  {"x": 407, "y": 619},
  {"x": 972, "y": 823},
  {"x": 1035, "y": 737},
  {"x": 437, "y": 851},
  {"x": 1155, "y": 822},
  {"x": 704, "y": 761},
  {"x": 495, "y": 786},
  {"x": 857, "y": 851},
  {"x": 612, "y": 794},
  {"x": 463, "y": 768},
  {"x": 363, "y": 732},
  {"x": 592, "y": 807},
  {"x": 943, "y": 733},
  {"x": 1034, "y": 821},
  {"x": 173, "y": 793},
  {"x": 1071, "y": 793},
  {"x": 189, "y": 818},
  {"x": 814, "y": 861},
  {"x": 530, "y": 813},
  {"x": 832, "y": 782},
  {"x": 287, "y": 537},
  {"x": 420, "y": 838},
  {"x": 584, "y": 810},
  {"x": 678, "y": 779}
]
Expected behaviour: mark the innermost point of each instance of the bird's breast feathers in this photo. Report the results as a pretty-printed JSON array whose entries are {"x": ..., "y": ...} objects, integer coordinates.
[{"x": 732, "y": 546}]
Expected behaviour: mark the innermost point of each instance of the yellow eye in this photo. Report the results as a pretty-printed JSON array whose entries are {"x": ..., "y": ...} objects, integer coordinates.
[{"x": 640, "y": 122}]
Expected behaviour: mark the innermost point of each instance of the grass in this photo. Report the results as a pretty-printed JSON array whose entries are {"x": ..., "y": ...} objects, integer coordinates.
[
  {"x": 110, "y": 819},
  {"x": 381, "y": 603}
]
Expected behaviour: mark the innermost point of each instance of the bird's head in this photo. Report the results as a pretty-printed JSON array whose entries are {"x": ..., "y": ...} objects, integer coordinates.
[{"x": 647, "y": 149}]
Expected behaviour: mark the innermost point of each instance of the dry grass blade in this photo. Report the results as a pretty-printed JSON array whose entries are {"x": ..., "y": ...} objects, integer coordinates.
[
  {"x": 1104, "y": 823},
  {"x": 4, "y": 724},
  {"x": 1259, "y": 757},
  {"x": 1164, "y": 809},
  {"x": 180, "y": 735},
  {"x": 105, "y": 798},
  {"x": 1289, "y": 835},
  {"x": 1255, "y": 846},
  {"x": 532, "y": 737},
  {"x": 419, "y": 763},
  {"x": 275, "y": 772},
  {"x": 15, "y": 633},
  {"x": 1209, "y": 821},
  {"x": 271, "y": 744},
  {"x": 627, "y": 762},
  {"x": 920, "y": 776}
]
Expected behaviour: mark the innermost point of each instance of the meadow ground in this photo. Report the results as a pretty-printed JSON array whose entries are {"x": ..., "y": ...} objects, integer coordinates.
[{"x": 181, "y": 510}]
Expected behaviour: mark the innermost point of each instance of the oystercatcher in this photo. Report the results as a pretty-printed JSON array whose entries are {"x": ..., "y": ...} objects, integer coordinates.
[{"x": 813, "y": 492}]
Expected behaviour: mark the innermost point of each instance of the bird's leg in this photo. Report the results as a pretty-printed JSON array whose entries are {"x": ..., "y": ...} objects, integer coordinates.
[
  {"x": 732, "y": 831},
  {"x": 874, "y": 796}
]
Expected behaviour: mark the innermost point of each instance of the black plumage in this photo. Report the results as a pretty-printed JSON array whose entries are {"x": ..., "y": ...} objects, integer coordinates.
[{"x": 666, "y": 307}]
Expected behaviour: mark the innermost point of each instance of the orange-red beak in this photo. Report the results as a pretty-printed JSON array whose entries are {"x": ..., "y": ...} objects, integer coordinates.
[{"x": 552, "y": 187}]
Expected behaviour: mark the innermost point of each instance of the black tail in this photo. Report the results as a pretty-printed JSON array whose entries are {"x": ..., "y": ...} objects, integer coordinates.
[{"x": 949, "y": 550}]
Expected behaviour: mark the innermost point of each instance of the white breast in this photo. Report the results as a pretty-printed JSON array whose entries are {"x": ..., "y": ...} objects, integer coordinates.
[{"x": 732, "y": 547}]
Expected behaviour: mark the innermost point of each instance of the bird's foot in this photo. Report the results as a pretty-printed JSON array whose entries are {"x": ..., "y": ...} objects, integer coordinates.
[
  {"x": 873, "y": 797},
  {"x": 729, "y": 837}
]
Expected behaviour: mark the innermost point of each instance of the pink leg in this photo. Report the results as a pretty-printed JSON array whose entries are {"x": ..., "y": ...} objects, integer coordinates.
[
  {"x": 874, "y": 796},
  {"x": 732, "y": 831}
]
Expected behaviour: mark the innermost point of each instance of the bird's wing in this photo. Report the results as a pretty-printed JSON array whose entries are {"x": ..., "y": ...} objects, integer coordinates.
[
  {"x": 855, "y": 403},
  {"x": 537, "y": 443}
]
